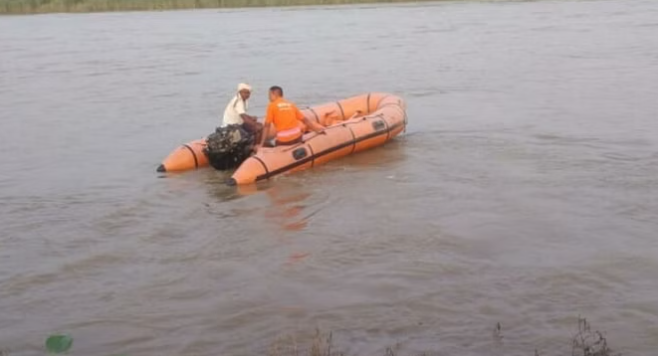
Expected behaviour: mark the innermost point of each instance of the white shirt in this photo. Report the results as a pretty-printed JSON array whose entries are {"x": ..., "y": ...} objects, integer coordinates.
[{"x": 234, "y": 109}]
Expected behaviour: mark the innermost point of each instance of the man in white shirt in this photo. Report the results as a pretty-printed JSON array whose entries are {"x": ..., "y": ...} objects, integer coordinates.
[{"x": 236, "y": 111}]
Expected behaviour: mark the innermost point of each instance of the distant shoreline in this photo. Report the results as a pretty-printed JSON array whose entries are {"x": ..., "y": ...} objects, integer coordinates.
[{"x": 26, "y": 7}]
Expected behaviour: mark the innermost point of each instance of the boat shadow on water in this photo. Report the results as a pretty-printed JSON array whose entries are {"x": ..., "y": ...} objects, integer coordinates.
[
  {"x": 384, "y": 157},
  {"x": 291, "y": 201}
]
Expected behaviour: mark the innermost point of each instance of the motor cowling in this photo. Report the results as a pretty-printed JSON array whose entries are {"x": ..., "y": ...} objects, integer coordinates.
[{"x": 228, "y": 147}]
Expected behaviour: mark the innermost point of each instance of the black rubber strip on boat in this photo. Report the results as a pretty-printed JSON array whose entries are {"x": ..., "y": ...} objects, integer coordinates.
[
  {"x": 317, "y": 118},
  {"x": 310, "y": 148},
  {"x": 196, "y": 161},
  {"x": 326, "y": 152},
  {"x": 267, "y": 171},
  {"x": 388, "y": 132},
  {"x": 353, "y": 138},
  {"x": 342, "y": 112}
]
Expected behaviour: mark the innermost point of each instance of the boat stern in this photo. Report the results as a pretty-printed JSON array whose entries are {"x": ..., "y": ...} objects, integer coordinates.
[
  {"x": 250, "y": 171},
  {"x": 187, "y": 157}
]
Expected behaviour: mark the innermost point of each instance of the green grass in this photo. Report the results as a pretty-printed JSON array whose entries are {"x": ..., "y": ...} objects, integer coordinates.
[{"x": 54, "y": 6}]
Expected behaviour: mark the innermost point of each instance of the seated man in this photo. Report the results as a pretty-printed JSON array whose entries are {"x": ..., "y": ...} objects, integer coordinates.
[
  {"x": 236, "y": 112},
  {"x": 286, "y": 119}
]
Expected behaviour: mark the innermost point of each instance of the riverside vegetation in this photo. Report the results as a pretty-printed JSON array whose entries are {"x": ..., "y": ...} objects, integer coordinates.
[
  {"x": 55, "y": 6},
  {"x": 586, "y": 342}
]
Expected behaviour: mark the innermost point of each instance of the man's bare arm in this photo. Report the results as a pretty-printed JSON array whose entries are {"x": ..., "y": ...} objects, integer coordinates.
[
  {"x": 266, "y": 134},
  {"x": 314, "y": 125},
  {"x": 252, "y": 120}
]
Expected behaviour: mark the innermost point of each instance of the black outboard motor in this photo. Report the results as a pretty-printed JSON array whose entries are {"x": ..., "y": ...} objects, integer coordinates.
[{"x": 228, "y": 147}]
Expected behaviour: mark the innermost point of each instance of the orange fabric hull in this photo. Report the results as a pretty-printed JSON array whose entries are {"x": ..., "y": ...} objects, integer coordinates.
[
  {"x": 186, "y": 157},
  {"x": 353, "y": 125}
]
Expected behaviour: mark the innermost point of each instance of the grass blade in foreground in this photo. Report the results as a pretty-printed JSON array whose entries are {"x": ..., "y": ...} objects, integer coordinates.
[{"x": 58, "y": 344}]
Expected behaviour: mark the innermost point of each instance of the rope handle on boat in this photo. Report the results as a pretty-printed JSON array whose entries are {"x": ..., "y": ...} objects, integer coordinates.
[{"x": 349, "y": 121}]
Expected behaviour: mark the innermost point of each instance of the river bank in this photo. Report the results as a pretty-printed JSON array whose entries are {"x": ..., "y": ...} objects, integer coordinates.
[
  {"x": 585, "y": 342},
  {"x": 24, "y": 7}
]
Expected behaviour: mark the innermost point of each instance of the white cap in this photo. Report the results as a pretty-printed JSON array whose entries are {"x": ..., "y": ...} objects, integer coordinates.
[{"x": 243, "y": 86}]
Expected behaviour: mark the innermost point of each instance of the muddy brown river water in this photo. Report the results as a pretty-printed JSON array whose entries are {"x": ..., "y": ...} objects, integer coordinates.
[{"x": 525, "y": 191}]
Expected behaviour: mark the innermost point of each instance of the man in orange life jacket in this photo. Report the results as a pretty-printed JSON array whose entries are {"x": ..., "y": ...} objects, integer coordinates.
[{"x": 286, "y": 119}]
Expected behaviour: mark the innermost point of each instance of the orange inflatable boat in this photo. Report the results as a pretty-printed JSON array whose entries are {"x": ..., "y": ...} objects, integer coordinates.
[
  {"x": 186, "y": 157},
  {"x": 352, "y": 125}
]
